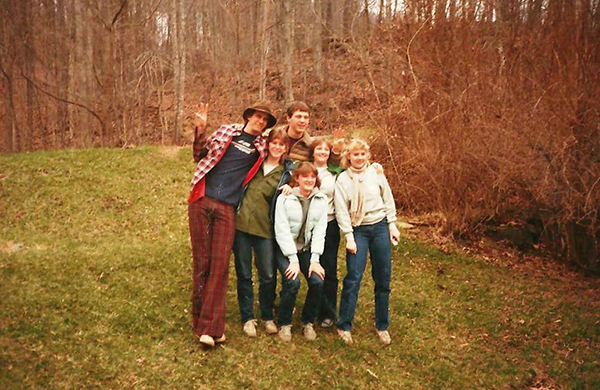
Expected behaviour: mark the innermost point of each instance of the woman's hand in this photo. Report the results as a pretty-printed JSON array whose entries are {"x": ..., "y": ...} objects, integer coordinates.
[
  {"x": 292, "y": 271},
  {"x": 351, "y": 246},
  {"x": 316, "y": 268},
  {"x": 286, "y": 189},
  {"x": 394, "y": 234}
]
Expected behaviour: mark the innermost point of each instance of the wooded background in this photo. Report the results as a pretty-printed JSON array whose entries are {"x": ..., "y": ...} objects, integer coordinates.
[{"x": 485, "y": 113}]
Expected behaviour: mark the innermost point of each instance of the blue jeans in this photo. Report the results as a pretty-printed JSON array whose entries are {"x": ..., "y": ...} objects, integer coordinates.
[
  {"x": 290, "y": 287},
  {"x": 264, "y": 260},
  {"x": 329, "y": 259},
  {"x": 376, "y": 239}
]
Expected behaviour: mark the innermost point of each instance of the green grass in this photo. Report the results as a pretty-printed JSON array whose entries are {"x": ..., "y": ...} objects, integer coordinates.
[{"x": 95, "y": 272}]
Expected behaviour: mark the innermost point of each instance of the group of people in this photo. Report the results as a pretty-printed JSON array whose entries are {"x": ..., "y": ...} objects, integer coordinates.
[{"x": 284, "y": 196}]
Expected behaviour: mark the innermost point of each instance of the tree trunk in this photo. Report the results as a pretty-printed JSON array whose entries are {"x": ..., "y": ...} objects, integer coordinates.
[
  {"x": 264, "y": 50},
  {"x": 6, "y": 67},
  {"x": 179, "y": 70},
  {"x": 288, "y": 49},
  {"x": 27, "y": 141},
  {"x": 318, "y": 41}
]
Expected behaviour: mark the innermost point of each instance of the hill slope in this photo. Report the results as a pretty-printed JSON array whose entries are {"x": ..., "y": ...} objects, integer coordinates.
[{"x": 95, "y": 277}]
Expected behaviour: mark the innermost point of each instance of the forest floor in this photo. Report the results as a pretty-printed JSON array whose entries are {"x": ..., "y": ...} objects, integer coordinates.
[{"x": 95, "y": 277}]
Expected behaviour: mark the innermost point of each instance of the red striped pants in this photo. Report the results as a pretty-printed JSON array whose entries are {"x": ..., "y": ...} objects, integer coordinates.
[{"x": 212, "y": 229}]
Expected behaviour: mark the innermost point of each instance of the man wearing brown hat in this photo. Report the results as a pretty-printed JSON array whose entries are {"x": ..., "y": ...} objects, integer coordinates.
[{"x": 227, "y": 160}]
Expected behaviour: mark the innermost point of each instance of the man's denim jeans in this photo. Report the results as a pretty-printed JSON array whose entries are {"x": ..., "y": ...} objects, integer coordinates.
[
  {"x": 264, "y": 260},
  {"x": 376, "y": 239},
  {"x": 290, "y": 287}
]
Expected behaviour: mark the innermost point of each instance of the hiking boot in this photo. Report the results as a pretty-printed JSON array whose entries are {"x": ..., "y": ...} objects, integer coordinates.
[
  {"x": 250, "y": 328},
  {"x": 346, "y": 336},
  {"x": 384, "y": 336},
  {"x": 327, "y": 323},
  {"x": 207, "y": 340},
  {"x": 309, "y": 332},
  {"x": 270, "y": 327},
  {"x": 285, "y": 333}
]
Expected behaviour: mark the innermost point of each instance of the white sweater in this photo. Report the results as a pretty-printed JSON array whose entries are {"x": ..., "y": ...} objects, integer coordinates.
[
  {"x": 327, "y": 187},
  {"x": 378, "y": 200}
]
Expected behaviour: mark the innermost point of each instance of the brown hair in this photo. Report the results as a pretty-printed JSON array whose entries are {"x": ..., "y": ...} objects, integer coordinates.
[
  {"x": 280, "y": 134},
  {"x": 297, "y": 106},
  {"x": 305, "y": 169},
  {"x": 318, "y": 142}
]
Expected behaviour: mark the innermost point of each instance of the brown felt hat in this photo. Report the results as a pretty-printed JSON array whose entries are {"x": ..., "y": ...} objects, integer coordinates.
[{"x": 261, "y": 106}]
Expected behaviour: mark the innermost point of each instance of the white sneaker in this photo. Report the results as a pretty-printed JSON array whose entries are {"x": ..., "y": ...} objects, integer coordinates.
[
  {"x": 346, "y": 336},
  {"x": 384, "y": 336},
  {"x": 285, "y": 333},
  {"x": 207, "y": 340},
  {"x": 250, "y": 328},
  {"x": 327, "y": 323},
  {"x": 309, "y": 332},
  {"x": 270, "y": 327}
]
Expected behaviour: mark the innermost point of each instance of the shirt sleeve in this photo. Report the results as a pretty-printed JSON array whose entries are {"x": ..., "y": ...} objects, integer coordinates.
[
  {"x": 388, "y": 199},
  {"x": 283, "y": 232},
  {"x": 342, "y": 205},
  {"x": 199, "y": 149},
  {"x": 317, "y": 242}
]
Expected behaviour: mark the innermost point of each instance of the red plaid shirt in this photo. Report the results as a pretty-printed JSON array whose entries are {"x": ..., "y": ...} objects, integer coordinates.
[{"x": 209, "y": 151}]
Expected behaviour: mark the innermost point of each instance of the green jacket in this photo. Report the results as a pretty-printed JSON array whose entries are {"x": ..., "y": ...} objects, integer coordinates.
[{"x": 254, "y": 214}]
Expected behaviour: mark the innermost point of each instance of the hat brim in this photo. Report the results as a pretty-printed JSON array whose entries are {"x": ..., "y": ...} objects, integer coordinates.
[{"x": 270, "y": 123}]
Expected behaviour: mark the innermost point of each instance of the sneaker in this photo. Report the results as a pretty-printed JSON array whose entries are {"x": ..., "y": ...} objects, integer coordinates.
[
  {"x": 221, "y": 339},
  {"x": 346, "y": 336},
  {"x": 327, "y": 323},
  {"x": 250, "y": 328},
  {"x": 384, "y": 336},
  {"x": 207, "y": 340},
  {"x": 309, "y": 332},
  {"x": 285, "y": 333},
  {"x": 270, "y": 327}
]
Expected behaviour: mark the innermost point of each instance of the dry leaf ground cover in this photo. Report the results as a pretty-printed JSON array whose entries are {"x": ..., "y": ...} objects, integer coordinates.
[{"x": 95, "y": 276}]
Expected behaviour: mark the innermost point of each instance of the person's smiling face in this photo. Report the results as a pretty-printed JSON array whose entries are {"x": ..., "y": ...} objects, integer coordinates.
[
  {"x": 321, "y": 154},
  {"x": 358, "y": 158},
  {"x": 276, "y": 148},
  {"x": 306, "y": 183},
  {"x": 257, "y": 123}
]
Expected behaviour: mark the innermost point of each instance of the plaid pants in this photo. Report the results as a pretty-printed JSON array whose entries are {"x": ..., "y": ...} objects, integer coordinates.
[{"x": 212, "y": 229}]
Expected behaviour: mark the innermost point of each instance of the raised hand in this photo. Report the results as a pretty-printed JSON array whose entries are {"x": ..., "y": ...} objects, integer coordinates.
[{"x": 338, "y": 140}]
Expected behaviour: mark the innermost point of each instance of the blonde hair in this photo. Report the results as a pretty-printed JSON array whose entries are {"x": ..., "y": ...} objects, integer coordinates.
[{"x": 354, "y": 144}]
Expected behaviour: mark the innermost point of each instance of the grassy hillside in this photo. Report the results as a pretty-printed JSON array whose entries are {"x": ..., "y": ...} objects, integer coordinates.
[{"x": 95, "y": 275}]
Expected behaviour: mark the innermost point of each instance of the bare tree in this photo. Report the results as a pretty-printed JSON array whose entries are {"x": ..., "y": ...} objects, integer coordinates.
[
  {"x": 288, "y": 48},
  {"x": 318, "y": 41},
  {"x": 264, "y": 48},
  {"x": 179, "y": 54}
]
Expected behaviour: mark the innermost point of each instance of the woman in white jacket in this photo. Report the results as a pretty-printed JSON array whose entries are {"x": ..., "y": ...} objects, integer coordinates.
[
  {"x": 366, "y": 214},
  {"x": 300, "y": 225}
]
